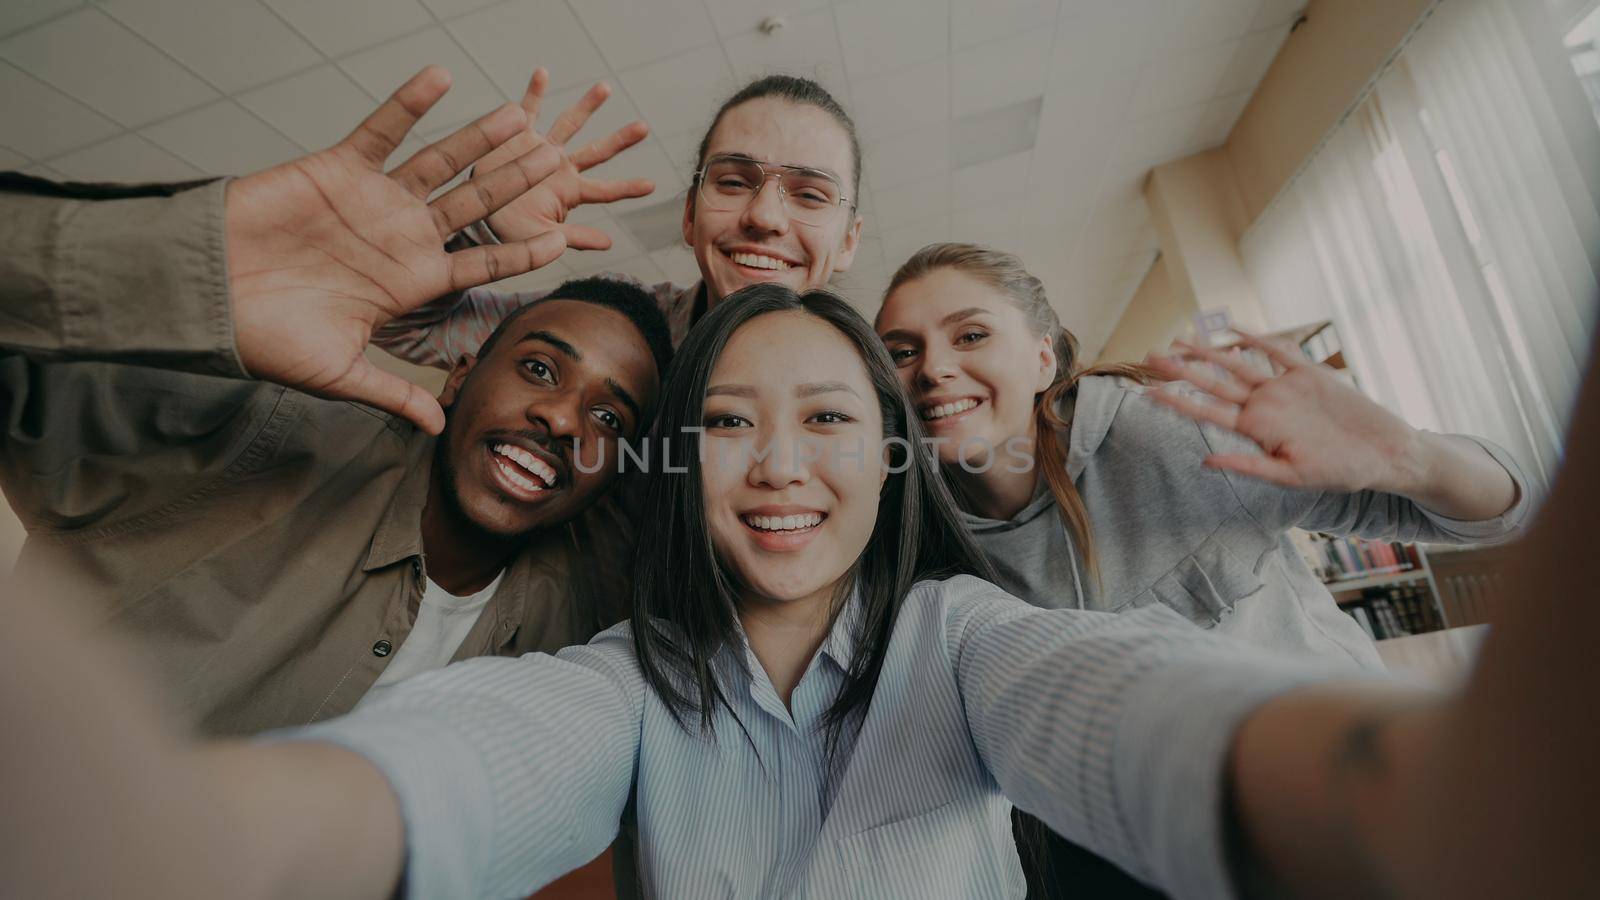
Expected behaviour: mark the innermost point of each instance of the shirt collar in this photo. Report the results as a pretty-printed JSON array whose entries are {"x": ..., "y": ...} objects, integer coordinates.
[
  {"x": 840, "y": 645},
  {"x": 399, "y": 533}
]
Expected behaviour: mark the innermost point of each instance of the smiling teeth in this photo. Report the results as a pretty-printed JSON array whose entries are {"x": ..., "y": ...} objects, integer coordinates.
[
  {"x": 784, "y": 523},
  {"x": 757, "y": 261},
  {"x": 948, "y": 409},
  {"x": 523, "y": 460}
]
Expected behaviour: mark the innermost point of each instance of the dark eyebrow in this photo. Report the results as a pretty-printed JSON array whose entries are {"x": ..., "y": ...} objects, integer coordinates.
[
  {"x": 819, "y": 169},
  {"x": 731, "y": 390},
  {"x": 555, "y": 342},
  {"x": 824, "y": 387},
  {"x": 625, "y": 397}
]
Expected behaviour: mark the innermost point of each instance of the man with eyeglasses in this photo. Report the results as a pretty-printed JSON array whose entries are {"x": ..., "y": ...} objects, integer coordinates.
[{"x": 773, "y": 200}]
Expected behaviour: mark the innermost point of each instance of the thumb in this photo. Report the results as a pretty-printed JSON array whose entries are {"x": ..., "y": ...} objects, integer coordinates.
[{"x": 366, "y": 383}]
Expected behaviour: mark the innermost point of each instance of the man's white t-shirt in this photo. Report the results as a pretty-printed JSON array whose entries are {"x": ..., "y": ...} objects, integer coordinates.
[{"x": 443, "y": 620}]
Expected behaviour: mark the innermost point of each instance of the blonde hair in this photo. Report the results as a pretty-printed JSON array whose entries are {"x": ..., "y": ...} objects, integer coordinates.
[{"x": 1005, "y": 273}]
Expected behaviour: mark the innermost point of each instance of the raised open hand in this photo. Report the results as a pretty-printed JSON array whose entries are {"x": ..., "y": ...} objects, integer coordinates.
[
  {"x": 324, "y": 248},
  {"x": 546, "y": 207},
  {"x": 1314, "y": 430}
]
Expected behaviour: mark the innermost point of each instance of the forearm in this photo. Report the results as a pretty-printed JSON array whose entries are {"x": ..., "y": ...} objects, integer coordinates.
[
  {"x": 1324, "y": 784},
  {"x": 1454, "y": 477},
  {"x": 139, "y": 280},
  {"x": 304, "y": 819}
]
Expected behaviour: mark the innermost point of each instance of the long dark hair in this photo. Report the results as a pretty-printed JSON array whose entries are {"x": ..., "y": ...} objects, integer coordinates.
[
  {"x": 1006, "y": 274},
  {"x": 685, "y": 600}
]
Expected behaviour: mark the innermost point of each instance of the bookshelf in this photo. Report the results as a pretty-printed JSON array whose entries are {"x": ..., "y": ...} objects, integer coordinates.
[{"x": 1388, "y": 588}]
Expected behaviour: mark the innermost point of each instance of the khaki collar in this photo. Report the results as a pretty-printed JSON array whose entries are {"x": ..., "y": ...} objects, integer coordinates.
[{"x": 399, "y": 532}]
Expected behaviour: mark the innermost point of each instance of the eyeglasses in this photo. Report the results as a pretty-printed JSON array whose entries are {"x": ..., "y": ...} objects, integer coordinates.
[{"x": 730, "y": 183}]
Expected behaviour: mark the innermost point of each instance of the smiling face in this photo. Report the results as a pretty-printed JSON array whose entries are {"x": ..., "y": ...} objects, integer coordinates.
[
  {"x": 562, "y": 377},
  {"x": 968, "y": 358},
  {"x": 761, "y": 243},
  {"x": 792, "y": 457}
]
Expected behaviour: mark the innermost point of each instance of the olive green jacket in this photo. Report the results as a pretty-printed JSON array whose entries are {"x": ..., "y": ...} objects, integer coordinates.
[{"x": 264, "y": 545}]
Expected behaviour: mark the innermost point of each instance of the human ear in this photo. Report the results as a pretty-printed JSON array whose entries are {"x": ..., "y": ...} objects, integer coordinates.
[
  {"x": 458, "y": 377},
  {"x": 1047, "y": 364}
]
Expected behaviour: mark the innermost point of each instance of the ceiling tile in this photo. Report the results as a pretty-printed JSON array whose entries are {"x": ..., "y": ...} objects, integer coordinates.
[
  {"x": 19, "y": 14},
  {"x": 807, "y": 46},
  {"x": 907, "y": 157},
  {"x": 539, "y": 280},
  {"x": 911, "y": 202},
  {"x": 129, "y": 158},
  {"x": 974, "y": 23},
  {"x": 383, "y": 69},
  {"x": 1218, "y": 120},
  {"x": 130, "y": 81},
  {"x": 316, "y": 109},
  {"x": 999, "y": 180},
  {"x": 736, "y": 17},
  {"x": 449, "y": 9},
  {"x": 993, "y": 226},
  {"x": 642, "y": 269},
  {"x": 511, "y": 39},
  {"x": 677, "y": 264},
  {"x": 683, "y": 146},
  {"x": 1215, "y": 21},
  {"x": 1250, "y": 63},
  {"x": 631, "y": 33},
  {"x": 1277, "y": 12},
  {"x": 590, "y": 262},
  {"x": 983, "y": 136},
  {"x": 682, "y": 89},
  {"x": 41, "y": 121},
  {"x": 1159, "y": 138},
  {"x": 900, "y": 243},
  {"x": 643, "y": 160},
  {"x": 233, "y": 44},
  {"x": 348, "y": 25},
  {"x": 999, "y": 73},
  {"x": 222, "y": 139},
  {"x": 40, "y": 170},
  {"x": 1182, "y": 79},
  {"x": 914, "y": 97},
  {"x": 11, "y": 160},
  {"x": 616, "y": 112},
  {"x": 1098, "y": 40},
  {"x": 879, "y": 36}
]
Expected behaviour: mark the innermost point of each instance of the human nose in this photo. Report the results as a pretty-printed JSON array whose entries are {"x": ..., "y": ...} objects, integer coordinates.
[
  {"x": 784, "y": 459},
  {"x": 936, "y": 365},
  {"x": 560, "y": 416},
  {"x": 766, "y": 211}
]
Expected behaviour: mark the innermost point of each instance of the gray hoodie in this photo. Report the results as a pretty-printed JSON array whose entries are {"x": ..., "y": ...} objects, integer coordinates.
[{"x": 1212, "y": 545}]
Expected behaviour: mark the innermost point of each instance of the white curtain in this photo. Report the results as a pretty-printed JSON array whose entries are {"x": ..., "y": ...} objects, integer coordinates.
[{"x": 1451, "y": 229}]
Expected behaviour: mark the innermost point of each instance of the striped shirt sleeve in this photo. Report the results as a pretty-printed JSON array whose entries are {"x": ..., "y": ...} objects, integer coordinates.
[
  {"x": 1114, "y": 730},
  {"x": 509, "y": 772}
]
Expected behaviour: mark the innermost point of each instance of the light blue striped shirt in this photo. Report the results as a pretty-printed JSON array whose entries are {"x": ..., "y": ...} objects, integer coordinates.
[{"x": 1113, "y": 730}]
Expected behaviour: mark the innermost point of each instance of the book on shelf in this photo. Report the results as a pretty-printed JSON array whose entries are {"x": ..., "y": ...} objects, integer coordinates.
[
  {"x": 1336, "y": 559},
  {"x": 1395, "y": 611}
]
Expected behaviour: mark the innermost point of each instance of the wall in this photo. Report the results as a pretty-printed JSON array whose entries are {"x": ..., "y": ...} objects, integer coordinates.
[
  {"x": 1317, "y": 76},
  {"x": 1199, "y": 218},
  {"x": 1203, "y": 204},
  {"x": 1156, "y": 314}
]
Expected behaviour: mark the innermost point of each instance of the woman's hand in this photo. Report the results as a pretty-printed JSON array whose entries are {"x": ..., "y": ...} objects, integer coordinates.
[
  {"x": 1318, "y": 433},
  {"x": 1314, "y": 430},
  {"x": 545, "y": 208},
  {"x": 325, "y": 248}
]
